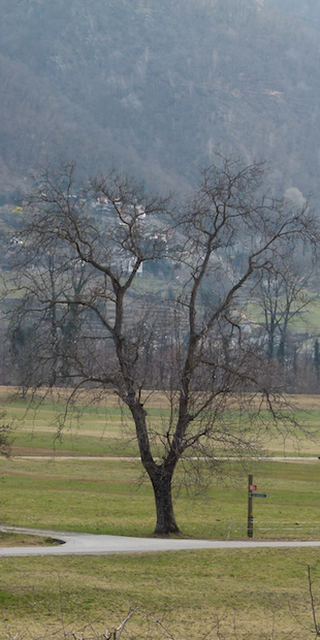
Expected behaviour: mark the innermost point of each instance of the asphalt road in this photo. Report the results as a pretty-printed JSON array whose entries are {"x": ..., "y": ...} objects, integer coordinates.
[{"x": 87, "y": 543}]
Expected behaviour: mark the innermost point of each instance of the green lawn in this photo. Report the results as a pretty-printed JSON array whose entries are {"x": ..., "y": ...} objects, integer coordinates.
[
  {"x": 105, "y": 496},
  {"x": 188, "y": 591},
  {"x": 307, "y": 321},
  {"x": 257, "y": 590}
]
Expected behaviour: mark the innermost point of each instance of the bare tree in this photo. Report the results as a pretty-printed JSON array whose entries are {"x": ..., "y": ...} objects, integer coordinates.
[
  {"x": 185, "y": 336},
  {"x": 282, "y": 295}
]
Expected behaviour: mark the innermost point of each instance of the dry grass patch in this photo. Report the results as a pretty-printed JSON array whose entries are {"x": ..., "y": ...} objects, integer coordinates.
[
  {"x": 10, "y": 539},
  {"x": 155, "y": 399},
  {"x": 104, "y": 426}
]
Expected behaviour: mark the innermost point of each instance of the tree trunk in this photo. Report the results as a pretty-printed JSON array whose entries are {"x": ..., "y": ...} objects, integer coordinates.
[
  {"x": 159, "y": 474},
  {"x": 161, "y": 482}
]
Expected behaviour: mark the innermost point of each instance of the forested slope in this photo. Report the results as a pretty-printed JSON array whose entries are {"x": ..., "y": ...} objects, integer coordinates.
[{"x": 152, "y": 87}]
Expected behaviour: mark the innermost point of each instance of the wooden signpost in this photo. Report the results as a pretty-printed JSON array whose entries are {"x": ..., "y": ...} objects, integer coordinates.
[{"x": 251, "y": 488}]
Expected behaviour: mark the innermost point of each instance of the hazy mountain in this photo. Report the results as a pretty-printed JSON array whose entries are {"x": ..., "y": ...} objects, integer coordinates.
[
  {"x": 308, "y": 10},
  {"x": 154, "y": 86}
]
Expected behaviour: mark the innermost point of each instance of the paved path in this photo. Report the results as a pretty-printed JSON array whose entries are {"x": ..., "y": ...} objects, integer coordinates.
[
  {"x": 87, "y": 543},
  {"x": 61, "y": 458}
]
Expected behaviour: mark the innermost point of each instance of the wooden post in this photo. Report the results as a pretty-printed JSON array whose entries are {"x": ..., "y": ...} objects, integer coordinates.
[{"x": 250, "y": 507}]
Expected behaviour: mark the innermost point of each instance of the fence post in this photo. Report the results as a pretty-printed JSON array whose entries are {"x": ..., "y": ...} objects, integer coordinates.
[{"x": 250, "y": 507}]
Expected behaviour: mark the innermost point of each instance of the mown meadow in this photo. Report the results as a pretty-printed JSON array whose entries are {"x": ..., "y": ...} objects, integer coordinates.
[{"x": 84, "y": 481}]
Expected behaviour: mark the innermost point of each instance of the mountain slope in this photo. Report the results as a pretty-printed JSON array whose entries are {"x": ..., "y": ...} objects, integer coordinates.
[{"x": 154, "y": 87}]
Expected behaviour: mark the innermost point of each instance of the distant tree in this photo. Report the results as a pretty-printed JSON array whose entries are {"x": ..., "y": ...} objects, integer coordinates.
[
  {"x": 282, "y": 296},
  {"x": 132, "y": 339},
  {"x": 52, "y": 330},
  {"x": 22, "y": 355},
  {"x": 316, "y": 359}
]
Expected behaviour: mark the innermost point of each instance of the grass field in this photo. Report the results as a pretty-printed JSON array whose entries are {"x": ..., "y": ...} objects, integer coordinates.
[
  {"x": 105, "y": 497},
  {"x": 258, "y": 590},
  {"x": 108, "y": 430},
  {"x": 188, "y": 591}
]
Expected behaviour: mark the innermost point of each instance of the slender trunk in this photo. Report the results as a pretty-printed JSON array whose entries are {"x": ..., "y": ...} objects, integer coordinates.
[
  {"x": 161, "y": 481},
  {"x": 270, "y": 346}
]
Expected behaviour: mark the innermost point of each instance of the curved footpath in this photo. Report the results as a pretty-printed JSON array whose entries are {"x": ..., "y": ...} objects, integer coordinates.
[{"x": 87, "y": 543}]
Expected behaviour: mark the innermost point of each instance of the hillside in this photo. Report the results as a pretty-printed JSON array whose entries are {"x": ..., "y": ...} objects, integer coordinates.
[{"x": 153, "y": 87}]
